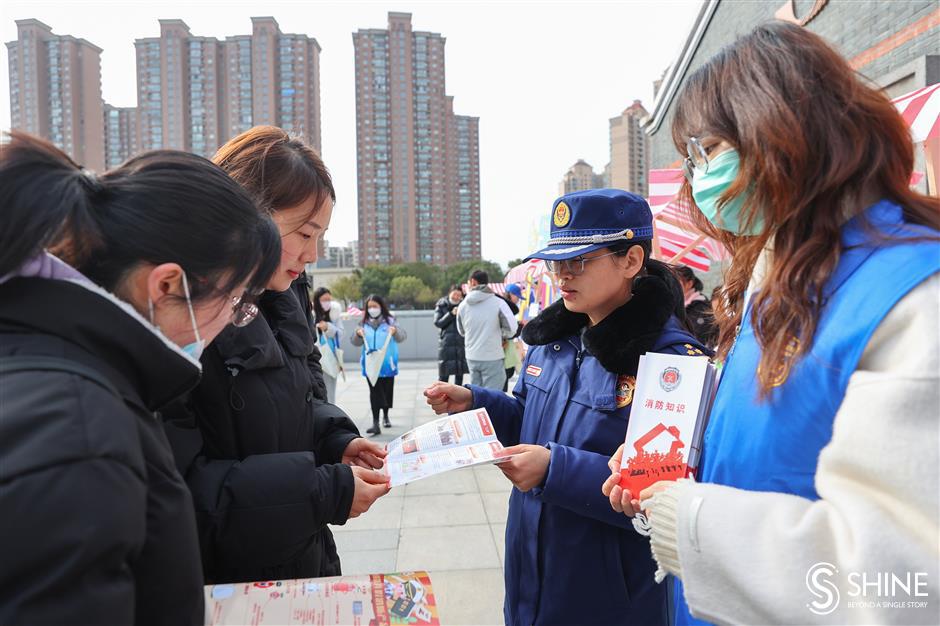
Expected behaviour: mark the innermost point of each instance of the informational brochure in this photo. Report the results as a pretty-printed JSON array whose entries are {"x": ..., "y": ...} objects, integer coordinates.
[
  {"x": 458, "y": 440},
  {"x": 671, "y": 403},
  {"x": 367, "y": 600}
]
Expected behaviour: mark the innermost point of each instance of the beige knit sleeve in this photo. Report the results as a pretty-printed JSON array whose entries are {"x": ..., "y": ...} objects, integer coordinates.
[{"x": 752, "y": 557}]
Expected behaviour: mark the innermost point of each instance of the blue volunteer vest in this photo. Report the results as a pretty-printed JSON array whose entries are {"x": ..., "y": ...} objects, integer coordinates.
[
  {"x": 774, "y": 445},
  {"x": 374, "y": 340}
]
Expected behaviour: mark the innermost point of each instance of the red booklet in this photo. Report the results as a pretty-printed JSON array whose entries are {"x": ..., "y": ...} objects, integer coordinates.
[{"x": 671, "y": 402}]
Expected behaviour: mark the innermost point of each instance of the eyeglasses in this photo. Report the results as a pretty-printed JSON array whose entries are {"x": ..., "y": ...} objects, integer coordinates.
[
  {"x": 697, "y": 158},
  {"x": 574, "y": 266},
  {"x": 244, "y": 311}
]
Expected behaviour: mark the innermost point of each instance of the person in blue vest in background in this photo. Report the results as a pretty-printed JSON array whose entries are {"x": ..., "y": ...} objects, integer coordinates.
[
  {"x": 819, "y": 474},
  {"x": 570, "y": 559},
  {"x": 377, "y": 326}
]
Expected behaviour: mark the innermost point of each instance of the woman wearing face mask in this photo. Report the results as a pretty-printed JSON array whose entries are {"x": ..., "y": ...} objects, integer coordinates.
[
  {"x": 822, "y": 448},
  {"x": 108, "y": 287},
  {"x": 326, "y": 317},
  {"x": 451, "y": 360},
  {"x": 569, "y": 558},
  {"x": 269, "y": 461},
  {"x": 377, "y": 326}
]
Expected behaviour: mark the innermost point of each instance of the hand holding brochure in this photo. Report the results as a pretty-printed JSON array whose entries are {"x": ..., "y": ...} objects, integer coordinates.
[
  {"x": 458, "y": 440},
  {"x": 405, "y": 598},
  {"x": 671, "y": 403}
]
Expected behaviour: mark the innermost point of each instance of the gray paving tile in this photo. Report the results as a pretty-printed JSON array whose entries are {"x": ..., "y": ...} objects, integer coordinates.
[
  {"x": 469, "y": 596},
  {"x": 369, "y": 562},
  {"x": 455, "y": 482},
  {"x": 496, "y": 506},
  {"x": 447, "y": 548},
  {"x": 359, "y": 540},
  {"x": 443, "y": 510},
  {"x": 499, "y": 536},
  {"x": 489, "y": 478},
  {"x": 384, "y": 513}
]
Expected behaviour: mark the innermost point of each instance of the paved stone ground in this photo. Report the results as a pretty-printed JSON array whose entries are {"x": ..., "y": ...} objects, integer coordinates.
[{"x": 451, "y": 525}]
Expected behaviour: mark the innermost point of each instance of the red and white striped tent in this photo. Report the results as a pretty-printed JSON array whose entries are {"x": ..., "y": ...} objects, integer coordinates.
[
  {"x": 675, "y": 238},
  {"x": 921, "y": 110}
]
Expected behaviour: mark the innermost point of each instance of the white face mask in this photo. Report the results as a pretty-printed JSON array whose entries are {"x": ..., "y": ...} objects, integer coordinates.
[
  {"x": 195, "y": 348},
  {"x": 374, "y": 312},
  {"x": 325, "y": 304}
]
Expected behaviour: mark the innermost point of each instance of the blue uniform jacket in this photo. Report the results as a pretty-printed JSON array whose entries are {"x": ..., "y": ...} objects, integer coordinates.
[{"x": 571, "y": 559}]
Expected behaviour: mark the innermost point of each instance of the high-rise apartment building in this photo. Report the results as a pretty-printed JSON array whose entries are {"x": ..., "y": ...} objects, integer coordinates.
[
  {"x": 413, "y": 152},
  {"x": 55, "y": 91},
  {"x": 580, "y": 177},
  {"x": 195, "y": 93},
  {"x": 629, "y": 150},
  {"x": 120, "y": 134}
]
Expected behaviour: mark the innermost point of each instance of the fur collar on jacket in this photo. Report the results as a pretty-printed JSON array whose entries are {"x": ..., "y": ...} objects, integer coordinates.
[{"x": 622, "y": 337}]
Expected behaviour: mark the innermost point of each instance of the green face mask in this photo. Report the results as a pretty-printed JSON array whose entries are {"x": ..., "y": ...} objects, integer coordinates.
[{"x": 707, "y": 187}]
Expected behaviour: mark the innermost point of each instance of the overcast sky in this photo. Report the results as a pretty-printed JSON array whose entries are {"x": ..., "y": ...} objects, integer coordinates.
[{"x": 543, "y": 77}]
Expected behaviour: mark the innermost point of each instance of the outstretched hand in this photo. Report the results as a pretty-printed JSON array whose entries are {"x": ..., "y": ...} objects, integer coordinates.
[
  {"x": 448, "y": 398},
  {"x": 364, "y": 453}
]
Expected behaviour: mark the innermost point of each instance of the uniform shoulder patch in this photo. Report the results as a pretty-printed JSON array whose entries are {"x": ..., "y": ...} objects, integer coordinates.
[
  {"x": 625, "y": 386},
  {"x": 533, "y": 370}
]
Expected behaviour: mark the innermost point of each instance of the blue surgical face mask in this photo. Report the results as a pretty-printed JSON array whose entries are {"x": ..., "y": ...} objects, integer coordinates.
[
  {"x": 195, "y": 348},
  {"x": 708, "y": 186}
]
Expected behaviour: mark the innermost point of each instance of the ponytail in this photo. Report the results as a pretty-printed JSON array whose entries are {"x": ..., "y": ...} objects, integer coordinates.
[
  {"x": 658, "y": 269},
  {"x": 45, "y": 202},
  {"x": 158, "y": 207}
]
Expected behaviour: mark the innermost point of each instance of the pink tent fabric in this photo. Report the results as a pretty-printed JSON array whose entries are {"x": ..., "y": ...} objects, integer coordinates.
[{"x": 676, "y": 240}]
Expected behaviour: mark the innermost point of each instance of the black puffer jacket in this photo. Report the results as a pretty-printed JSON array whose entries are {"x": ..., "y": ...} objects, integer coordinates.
[
  {"x": 96, "y": 524},
  {"x": 451, "y": 360},
  {"x": 260, "y": 450}
]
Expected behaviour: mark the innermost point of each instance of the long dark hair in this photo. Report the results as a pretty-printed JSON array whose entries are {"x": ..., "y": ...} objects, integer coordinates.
[
  {"x": 159, "y": 207},
  {"x": 663, "y": 271},
  {"x": 319, "y": 314},
  {"x": 279, "y": 170},
  {"x": 382, "y": 305},
  {"x": 813, "y": 139}
]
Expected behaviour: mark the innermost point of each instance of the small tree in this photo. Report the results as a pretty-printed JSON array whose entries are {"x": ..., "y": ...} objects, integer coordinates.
[
  {"x": 377, "y": 279},
  {"x": 348, "y": 289},
  {"x": 406, "y": 289},
  {"x": 426, "y": 298},
  {"x": 458, "y": 273}
]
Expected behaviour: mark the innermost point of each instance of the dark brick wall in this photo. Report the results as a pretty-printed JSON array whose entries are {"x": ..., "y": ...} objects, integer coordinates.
[{"x": 853, "y": 26}]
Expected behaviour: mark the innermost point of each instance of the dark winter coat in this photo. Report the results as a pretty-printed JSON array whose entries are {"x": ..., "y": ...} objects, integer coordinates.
[
  {"x": 260, "y": 450},
  {"x": 96, "y": 524},
  {"x": 702, "y": 320},
  {"x": 570, "y": 558},
  {"x": 451, "y": 360}
]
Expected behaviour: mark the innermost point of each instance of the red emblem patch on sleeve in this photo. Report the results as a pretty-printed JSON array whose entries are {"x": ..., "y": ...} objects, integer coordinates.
[{"x": 533, "y": 370}]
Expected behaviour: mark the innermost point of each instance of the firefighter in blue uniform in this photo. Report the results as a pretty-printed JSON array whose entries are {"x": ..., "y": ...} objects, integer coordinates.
[{"x": 570, "y": 559}]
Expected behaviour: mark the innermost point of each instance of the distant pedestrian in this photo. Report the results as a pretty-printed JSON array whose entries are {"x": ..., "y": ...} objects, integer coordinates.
[
  {"x": 326, "y": 313},
  {"x": 698, "y": 308},
  {"x": 376, "y": 333},
  {"x": 511, "y": 358},
  {"x": 451, "y": 358},
  {"x": 485, "y": 321}
]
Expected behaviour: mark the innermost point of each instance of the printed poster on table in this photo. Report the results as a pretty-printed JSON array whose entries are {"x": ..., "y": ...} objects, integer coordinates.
[
  {"x": 367, "y": 600},
  {"x": 671, "y": 403},
  {"x": 451, "y": 442}
]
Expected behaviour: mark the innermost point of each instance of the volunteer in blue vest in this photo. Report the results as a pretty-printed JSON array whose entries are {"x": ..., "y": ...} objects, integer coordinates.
[
  {"x": 570, "y": 559},
  {"x": 820, "y": 460},
  {"x": 376, "y": 327}
]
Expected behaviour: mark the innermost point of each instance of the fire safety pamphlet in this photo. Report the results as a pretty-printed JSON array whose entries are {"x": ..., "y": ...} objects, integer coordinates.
[
  {"x": 671, "y": 403},
  {"x": 367, "y": 600},
  {"x": 458, "y": 440}
]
